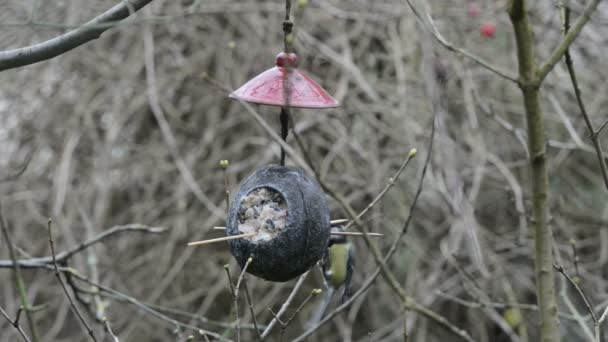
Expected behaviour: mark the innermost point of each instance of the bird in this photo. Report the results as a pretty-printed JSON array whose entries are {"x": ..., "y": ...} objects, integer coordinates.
[{"x": 337, "y": 266}]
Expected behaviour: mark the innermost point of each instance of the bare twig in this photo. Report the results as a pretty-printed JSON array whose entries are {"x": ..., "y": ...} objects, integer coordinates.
[
  {"x": 251, "y": 309},
  {"x": 109, "y": 330},
  {"x": 59, "y": 45},
  {"x": 65, "y": 255},
  {"x": 137, "y": 303},
  {"x": 15, "y": 324},
  {"x": 285, "y": 305},
  {"x": 569, "y": 38},
  {"x": 391, "y": 182},
  {"x": 224, "y": 165},
  {"x": 65, "y": 290},
  {"x": 561, "y": 270},
  {"x": 430, "y": 26},
  {"x": 236, "y": 297},
  {"x": 18, "y": 280},
  {"x": 579, "y": 99},
  {"x": 284, "y": 325}
]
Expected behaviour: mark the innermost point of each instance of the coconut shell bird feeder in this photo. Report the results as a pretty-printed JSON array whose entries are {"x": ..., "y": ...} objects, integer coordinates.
[
  {"x": 283, "y": 206},
  {"x": 278, "y": 223}
]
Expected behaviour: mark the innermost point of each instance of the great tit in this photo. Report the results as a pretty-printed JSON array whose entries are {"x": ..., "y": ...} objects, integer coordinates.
[{"x": 337, "y": 266}]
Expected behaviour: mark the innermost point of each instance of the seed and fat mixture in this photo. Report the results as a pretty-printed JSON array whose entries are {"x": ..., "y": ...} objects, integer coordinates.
[{"x": 263, "y": 211}]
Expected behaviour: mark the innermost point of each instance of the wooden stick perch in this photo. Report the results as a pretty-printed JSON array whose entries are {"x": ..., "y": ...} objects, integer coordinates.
[
  {"x": 357, "y": 234},
  {"x": 225, "y": 238}
]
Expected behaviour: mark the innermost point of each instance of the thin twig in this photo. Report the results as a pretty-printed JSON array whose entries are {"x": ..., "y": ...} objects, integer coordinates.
[
  {"x": 65, "y": 290},
  {"x": 430, "y": 26},
  {"x": 313, "y": 293},
  {"x": 236, "y": 298},
  {"x": 561, "y": 270},
  {"x": 109, "y": 330},
  {"x": 137, "y": 303},
  {"x": 569, "y": 38},
  {"x": 391, "y": 183},
  {"x": 224, "y": 165},
  {"x": 579, "y": 99},
  {"x": 284, "y": 325},
  {"x": 285, "y": 305},
  {"x": 18, "y": 279},
  {"x": 65, "y": 255},
  {"x": 15, "y": 324},
  {"x": 251, "y": 310},
  {"x": 61, "y": 44}
]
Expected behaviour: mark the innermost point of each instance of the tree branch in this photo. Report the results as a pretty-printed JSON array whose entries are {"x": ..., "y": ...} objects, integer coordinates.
[
  {"x": 430, "y": 26},
  {"x": 569, "y": 38},
  {"x": 43, "y": 262},
  {"x": 54, "y": 47},
  {"x": 579, "y": 99},
  {"x": 543, "y": 235},
  {"x": 18, "y": 279}
]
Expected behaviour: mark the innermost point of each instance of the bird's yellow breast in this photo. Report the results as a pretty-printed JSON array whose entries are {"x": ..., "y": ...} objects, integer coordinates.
[{"x": 338, "y": 259}]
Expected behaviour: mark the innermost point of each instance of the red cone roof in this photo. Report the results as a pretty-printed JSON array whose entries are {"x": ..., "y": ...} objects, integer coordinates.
[{"x": 267, "y": 87}]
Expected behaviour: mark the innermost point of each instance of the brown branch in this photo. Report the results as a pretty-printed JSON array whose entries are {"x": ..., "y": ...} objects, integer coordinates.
[
  {"x": 236, "y": 298},
  {"x": 284, "y": 325},
  {"x": 18, "y": 279},
  {"x": 67, "y": 293},
  {"x": 430, "y": 26},
  {"x": 15, "y": 324},
  {"x": 579, "y": 99},
  {"x": 137, "y": 303},
  {"x": 54, "y": 47},
  {"x": 65, "y": 255},
  {"x": 539, "y": 177},
  {"x": 578, "y": 289},
  {"x": 251, "y": 309},
  {"x": 391, "y": 183},
  {"x": 285, "y": 305},
  {"x": 569, "y": 38}
]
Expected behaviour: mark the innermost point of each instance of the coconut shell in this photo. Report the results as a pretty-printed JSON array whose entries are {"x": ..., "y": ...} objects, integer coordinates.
[{"x": 304, "y": 238}]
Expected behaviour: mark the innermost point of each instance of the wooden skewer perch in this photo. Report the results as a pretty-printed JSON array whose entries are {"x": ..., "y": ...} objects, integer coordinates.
[
  {"x": 240, "y": 236},
  {"x": 356, "y": 234},
  {"x": 225, "y": 238}
]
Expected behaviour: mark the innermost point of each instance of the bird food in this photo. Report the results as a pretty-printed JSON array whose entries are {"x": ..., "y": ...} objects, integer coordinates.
[{"x": 264, "y": 212}]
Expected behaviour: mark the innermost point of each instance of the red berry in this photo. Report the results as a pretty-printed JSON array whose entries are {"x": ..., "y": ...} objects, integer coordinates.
[
  {"x": 284, "y": 60},
  {"x": 473, "y": 9},
  {"x": 487, "y": 29}
]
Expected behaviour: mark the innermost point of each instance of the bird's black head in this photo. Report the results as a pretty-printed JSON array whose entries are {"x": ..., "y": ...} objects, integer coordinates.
[{"x": 336, "y": 239}]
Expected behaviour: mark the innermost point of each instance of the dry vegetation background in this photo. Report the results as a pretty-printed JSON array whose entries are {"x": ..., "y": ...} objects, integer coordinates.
[{"x": 100, "y": 159}]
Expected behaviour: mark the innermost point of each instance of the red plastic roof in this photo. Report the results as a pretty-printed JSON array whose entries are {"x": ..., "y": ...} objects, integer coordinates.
[{"x": 267, "y": 88}]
